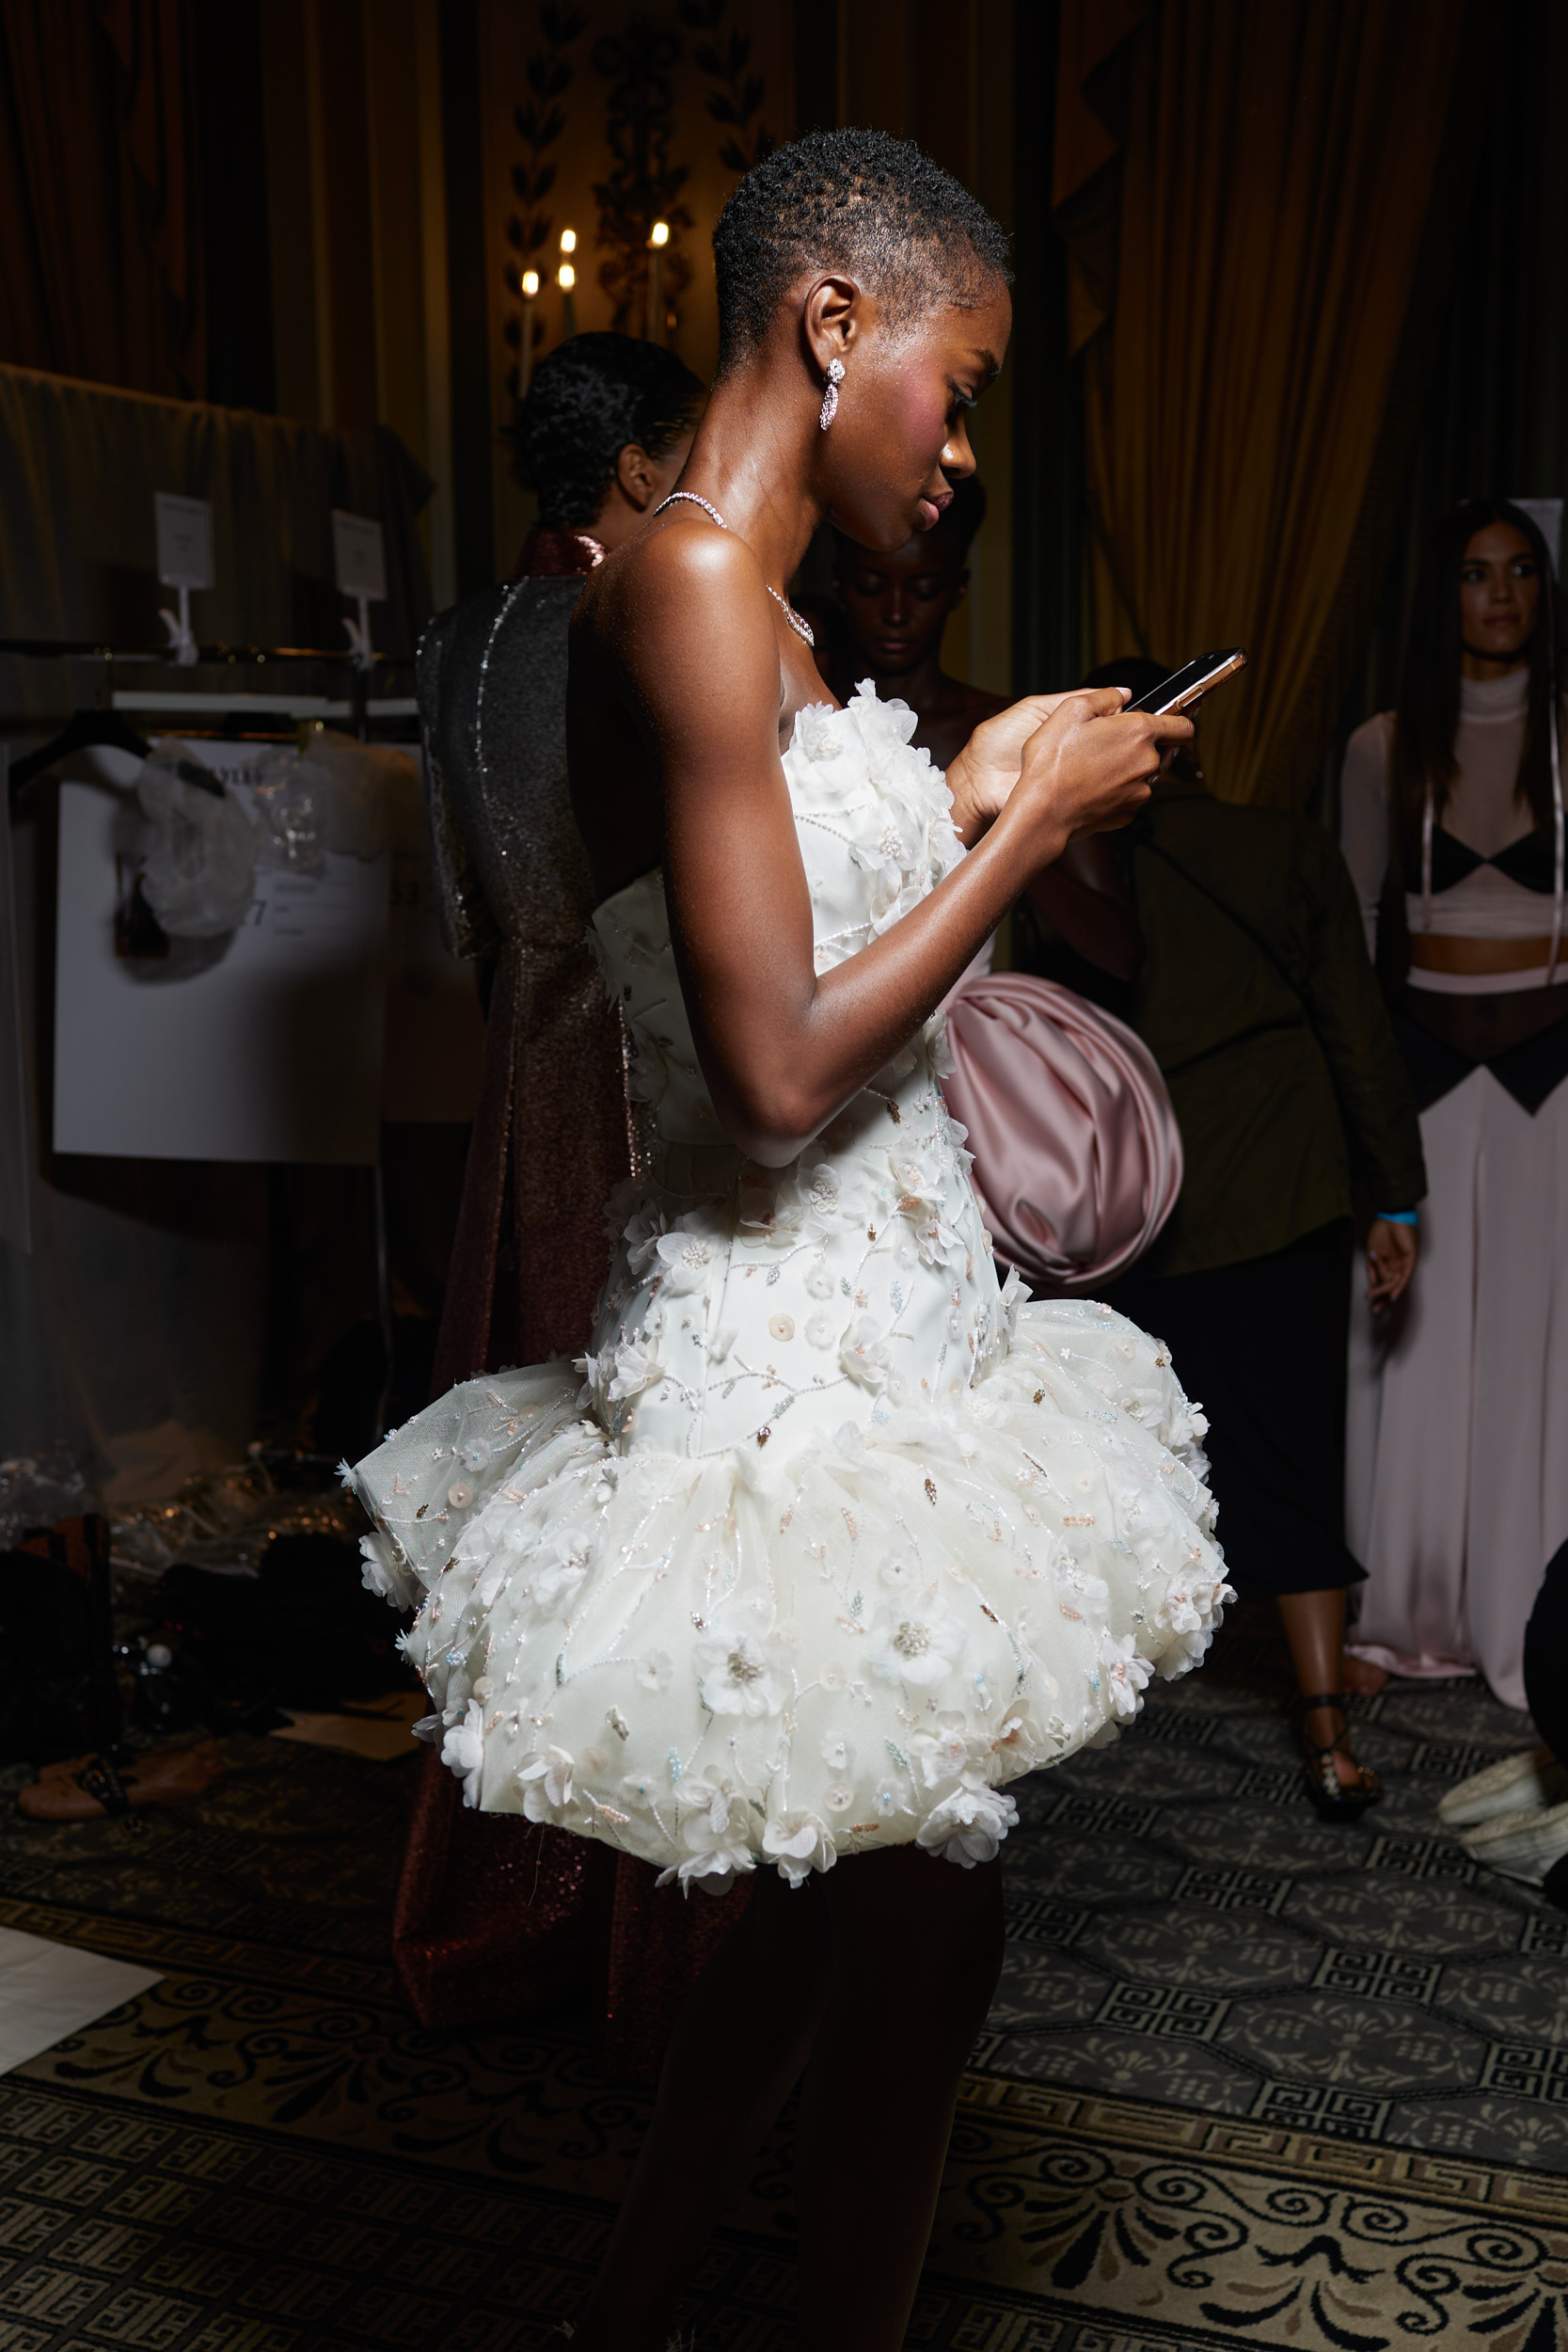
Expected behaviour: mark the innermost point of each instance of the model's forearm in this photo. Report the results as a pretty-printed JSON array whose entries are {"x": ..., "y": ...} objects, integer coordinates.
[{"x": 779, "y": 1076}]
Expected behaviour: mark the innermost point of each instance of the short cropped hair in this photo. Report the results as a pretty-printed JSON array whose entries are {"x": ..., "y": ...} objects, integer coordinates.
[
  {"x": 857, "y": 201},
  {"x": 588, "y": 400}
]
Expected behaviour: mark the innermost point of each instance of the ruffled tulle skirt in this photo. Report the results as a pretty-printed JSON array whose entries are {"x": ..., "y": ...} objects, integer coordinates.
[{"x": 759, "y": 1656}]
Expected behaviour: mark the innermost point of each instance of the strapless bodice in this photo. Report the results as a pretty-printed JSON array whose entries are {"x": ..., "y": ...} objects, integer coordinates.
[{"x": 763, "y": 1305}]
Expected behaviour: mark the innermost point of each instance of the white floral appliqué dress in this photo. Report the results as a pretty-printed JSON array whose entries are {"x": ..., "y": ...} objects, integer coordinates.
[{"x": 840, "y": 1535}]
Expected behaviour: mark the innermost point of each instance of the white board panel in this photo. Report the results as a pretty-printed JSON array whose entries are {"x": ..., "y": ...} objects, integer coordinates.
[{"x": 266, "y": 1045}]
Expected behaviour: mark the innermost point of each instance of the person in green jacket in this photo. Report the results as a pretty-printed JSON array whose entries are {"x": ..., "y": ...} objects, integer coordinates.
[{"x": 1258, "y": 999}]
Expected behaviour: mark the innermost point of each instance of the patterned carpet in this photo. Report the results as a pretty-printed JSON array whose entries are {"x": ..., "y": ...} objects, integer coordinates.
[
  {"x": 1184, "y": 1927},
  {"x": 1249, "y": 2080}
]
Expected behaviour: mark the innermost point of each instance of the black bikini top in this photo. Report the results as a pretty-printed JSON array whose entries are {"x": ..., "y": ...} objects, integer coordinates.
[{"x": 1528, "y": 861}]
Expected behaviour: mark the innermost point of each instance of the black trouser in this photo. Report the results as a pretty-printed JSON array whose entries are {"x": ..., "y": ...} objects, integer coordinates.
[{"x": 1261, "y": 1347}]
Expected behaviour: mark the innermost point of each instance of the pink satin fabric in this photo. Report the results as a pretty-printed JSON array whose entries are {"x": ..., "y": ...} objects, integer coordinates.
[{"x": 1077, "y": 1153}]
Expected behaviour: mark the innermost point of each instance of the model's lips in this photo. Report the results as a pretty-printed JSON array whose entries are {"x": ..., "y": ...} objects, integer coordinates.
[{"x": 933, "y": 508}]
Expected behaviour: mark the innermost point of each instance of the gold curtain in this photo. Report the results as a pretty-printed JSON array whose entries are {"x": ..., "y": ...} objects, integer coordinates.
[
  {"x": 101, "y": 271},
  {"x": 1260, "y": 239}
]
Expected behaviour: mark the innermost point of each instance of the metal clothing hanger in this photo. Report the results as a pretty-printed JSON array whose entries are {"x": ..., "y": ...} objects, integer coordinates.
[{"x": 88, "y": 730}]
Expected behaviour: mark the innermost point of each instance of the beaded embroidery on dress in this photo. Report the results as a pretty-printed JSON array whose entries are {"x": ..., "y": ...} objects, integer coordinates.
[{"x": 830, "y": 1536}]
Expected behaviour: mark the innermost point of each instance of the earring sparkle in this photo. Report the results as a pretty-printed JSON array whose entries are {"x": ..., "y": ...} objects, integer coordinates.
[{"x": 829, "y": 398}]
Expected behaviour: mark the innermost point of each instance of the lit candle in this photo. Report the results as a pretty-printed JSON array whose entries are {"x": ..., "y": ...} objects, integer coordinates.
[
  {"x": 566, "y": 278},
  {"x": 659, "y": 237},
  {"x": 530, "y": 287}
]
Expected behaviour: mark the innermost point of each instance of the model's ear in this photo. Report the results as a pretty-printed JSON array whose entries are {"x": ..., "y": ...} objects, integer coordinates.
[
  {"x": 835, "y": 312},
  {"x": 634, "y": 474}
]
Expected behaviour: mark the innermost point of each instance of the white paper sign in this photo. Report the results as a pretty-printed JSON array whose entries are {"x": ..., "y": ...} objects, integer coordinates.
[
  {"x": 1547, "y": 515},
  {"x": 361, "y": 556},
  {"x": 185, "y": 540},
  {"x": 264, "y": 1046}
]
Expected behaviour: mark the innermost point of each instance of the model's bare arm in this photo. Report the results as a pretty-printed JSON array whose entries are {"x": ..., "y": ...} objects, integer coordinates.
[{"x": 782, "y": 1048}]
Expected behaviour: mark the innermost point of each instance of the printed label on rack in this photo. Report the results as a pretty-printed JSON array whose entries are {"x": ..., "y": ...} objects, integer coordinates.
[
  {"x": 361, "y": 556},
  {"x": 185, "y": 540}
]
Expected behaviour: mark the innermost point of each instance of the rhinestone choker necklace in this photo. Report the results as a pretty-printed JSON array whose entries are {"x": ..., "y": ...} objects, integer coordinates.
[{"x": 801, "y": 628}]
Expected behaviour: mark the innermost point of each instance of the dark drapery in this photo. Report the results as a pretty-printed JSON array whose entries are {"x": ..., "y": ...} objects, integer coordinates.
[
  {"x": 1494, "y": 421},
  {"x": 1262, "y": 207},
  {"x": 100, "y": 214}
]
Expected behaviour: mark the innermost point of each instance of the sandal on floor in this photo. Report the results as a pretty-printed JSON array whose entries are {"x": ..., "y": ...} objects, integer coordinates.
[
  {"x": 90, "y": 1787},
  {"x": 1336, "y": 1800}
]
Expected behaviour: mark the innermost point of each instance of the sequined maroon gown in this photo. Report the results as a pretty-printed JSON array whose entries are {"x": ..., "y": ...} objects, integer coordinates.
[{"x": 495, "y": 1916}]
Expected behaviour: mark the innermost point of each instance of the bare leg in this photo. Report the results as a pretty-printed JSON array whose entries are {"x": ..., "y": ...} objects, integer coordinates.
[
  {"x": 916, "y": 1953},
  {"x": 739, "y": 2046},
  {"x": 1363, "y": 1678},
  {"x": 1315, "y": 1629}
]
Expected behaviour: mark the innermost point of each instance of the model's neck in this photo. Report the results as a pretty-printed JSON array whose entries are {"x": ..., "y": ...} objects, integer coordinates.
[
  {"x": 1483, "y": 667},
  {"x": 753, "y": 460},
  {"x": 926, "y": 686}
]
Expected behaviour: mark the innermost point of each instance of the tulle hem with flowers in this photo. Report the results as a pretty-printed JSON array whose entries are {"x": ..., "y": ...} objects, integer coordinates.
[
  {"x": 829, "y": 1536},
  {"x": 717, "y": 1664}
]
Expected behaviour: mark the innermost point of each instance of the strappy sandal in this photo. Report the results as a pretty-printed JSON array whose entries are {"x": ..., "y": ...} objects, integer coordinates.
[
  {"x": 88, "y": 1787},
  {"x": 1336, "y": 1800}
]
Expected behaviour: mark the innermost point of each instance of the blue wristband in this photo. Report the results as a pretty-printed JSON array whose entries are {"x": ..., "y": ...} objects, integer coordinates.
[{"x": 1399, "y": 1216}]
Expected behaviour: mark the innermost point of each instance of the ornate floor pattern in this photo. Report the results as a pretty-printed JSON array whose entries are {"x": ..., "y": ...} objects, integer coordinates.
[
  {"x": 1183, "y": 1927},
  {"x": 1247, "y": 2081}
]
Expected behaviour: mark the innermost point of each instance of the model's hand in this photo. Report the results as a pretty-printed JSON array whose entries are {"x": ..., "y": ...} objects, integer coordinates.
[
  {"x": 984, "y": 773},
  {"x": 1391, "y": 1254},
  {"x": 1087, "y": 768}
]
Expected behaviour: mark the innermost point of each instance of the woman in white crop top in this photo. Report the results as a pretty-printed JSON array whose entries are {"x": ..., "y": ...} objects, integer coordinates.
[{"x": 1457, "y": 1472}]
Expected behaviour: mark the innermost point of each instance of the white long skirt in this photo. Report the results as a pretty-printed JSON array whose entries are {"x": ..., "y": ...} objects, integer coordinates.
[{"x": 1457, "y": 1440}]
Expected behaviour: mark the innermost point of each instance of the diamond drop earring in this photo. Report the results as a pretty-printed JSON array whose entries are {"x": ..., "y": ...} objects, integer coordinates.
[{"x": 829, "y": 398}]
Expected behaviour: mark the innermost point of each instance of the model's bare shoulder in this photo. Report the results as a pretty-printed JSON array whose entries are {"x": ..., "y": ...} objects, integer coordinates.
[
  {"x": 676, "y": 571},
  {"x": 681, "y": 626}
]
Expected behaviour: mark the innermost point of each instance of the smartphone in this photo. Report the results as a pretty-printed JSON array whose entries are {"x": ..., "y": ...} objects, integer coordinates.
[{"x": 1183, "y": 687}]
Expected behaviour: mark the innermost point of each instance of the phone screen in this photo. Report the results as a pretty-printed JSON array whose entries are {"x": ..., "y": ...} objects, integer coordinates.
[{"x": 1183, "y": 687}]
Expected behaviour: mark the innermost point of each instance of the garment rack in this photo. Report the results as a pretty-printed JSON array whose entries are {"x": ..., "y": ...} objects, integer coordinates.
[{"x": 358, "y": 705}]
